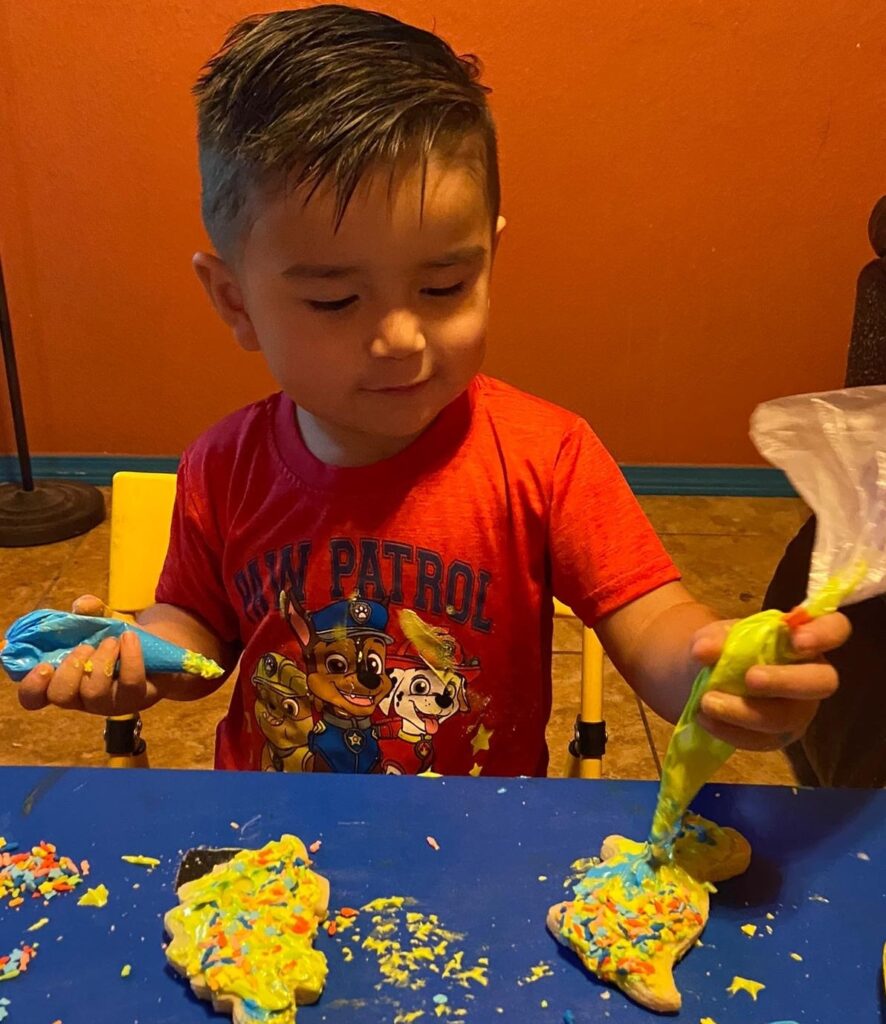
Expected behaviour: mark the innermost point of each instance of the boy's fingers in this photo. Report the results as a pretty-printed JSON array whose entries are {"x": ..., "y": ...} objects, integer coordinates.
[
  {"x": 707, "y": 644},
  {"x": 131, "y": 684},
  {"x": 822, "y": 635},
  {"x": 812, "y": 680},
  {"x": 744, "y": 739},
  {"x": 97, "y": 685},
  {"x": 810, "y": 641},
  {"x": 32, "y": 689},
  {"x": 64, "y": 687},
  {"x": 770, "y": 715},
  {"x": 89, "y": 604}
]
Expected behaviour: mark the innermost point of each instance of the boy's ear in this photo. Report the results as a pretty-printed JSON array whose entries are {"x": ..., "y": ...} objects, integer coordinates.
[
  {"x": 500, "y": 225},
  {"x": 224, "y": 293}
]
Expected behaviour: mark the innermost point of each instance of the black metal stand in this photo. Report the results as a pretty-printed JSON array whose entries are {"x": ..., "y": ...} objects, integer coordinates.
[{"x": 38, "y": 512}]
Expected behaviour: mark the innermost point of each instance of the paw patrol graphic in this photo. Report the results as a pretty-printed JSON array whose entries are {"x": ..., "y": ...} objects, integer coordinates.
[
  {"x": 344, "y": 647},
  {"x": 283, "y": 712},
  {"x": 430, "y": 676}
]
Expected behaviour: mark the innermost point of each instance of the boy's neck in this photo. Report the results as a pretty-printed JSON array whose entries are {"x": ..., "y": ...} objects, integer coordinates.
[{"x": 338, "y": 446}]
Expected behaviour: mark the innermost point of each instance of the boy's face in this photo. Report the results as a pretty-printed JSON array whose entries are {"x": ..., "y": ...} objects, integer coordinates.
[{"x": 376, "y": 327}]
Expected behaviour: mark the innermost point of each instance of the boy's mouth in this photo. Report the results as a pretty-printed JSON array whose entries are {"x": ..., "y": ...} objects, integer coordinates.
[{"x": 401, "y": 389}]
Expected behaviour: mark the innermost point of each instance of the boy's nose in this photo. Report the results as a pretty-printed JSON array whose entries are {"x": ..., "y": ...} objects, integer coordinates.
[{"x": 398, "y": 336}]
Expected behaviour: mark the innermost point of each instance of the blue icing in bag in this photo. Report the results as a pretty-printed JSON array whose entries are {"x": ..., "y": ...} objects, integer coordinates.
[{"x": 49, "y": 636}]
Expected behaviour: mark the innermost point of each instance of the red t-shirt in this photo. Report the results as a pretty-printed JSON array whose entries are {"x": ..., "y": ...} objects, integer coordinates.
[{"x": 504, "y": 501}]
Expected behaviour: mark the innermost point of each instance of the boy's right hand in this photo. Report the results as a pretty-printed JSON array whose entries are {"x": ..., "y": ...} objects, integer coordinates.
[{"x": 90, "y": 679}]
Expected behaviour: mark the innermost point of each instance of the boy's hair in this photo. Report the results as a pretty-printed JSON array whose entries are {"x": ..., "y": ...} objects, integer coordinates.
[{"x": 326, "y": 94}]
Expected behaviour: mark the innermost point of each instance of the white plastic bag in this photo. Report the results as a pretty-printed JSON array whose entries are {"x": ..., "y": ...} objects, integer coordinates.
[{"x": 832, "y": 446}]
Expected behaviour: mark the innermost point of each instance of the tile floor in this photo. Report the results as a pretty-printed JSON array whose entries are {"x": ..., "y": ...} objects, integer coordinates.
[{"x": 726, "y": 548}]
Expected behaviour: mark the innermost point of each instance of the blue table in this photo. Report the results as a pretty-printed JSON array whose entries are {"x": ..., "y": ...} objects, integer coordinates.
[{"x": 818, "y": 868}]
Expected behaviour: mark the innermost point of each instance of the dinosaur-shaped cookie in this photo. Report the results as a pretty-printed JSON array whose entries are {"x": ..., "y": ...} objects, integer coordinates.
[
  {"x": 630, "y": 921},
  {"x": 243, "y": 934}
]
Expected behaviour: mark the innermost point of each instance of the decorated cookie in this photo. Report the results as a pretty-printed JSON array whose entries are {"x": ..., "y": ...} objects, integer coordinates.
[
  {"x": 711, "y": 853},
  {"x": 243, "y": 934},
  {"x": 630, "y": 922}
]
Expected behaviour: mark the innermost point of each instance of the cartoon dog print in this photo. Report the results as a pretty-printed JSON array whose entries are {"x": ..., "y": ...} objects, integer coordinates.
[
  {"x": 344, "y": 647},
  {"x": 283, "y": 712},
  {"x": 423, "y": 698}
]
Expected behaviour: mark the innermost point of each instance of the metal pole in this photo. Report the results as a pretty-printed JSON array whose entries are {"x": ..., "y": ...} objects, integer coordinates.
[{"x": 15, "y": 394}]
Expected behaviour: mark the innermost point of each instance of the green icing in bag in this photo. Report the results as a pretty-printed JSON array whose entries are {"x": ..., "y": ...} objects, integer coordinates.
[{"x": 693, "y": 754}]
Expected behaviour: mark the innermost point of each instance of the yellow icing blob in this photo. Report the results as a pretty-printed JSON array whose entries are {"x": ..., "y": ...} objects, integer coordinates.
[
  {"x": 200, "y": 665},
  {"x": 536, "y": 973},
  {"x": 246, "y": 931},
  {"x": 97, "y": 897},
  {"x": 745, "y": 985},
  {"x": 140, "y": 860}
]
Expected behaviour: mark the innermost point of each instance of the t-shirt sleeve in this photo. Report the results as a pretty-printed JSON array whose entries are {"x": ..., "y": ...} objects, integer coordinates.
[
  {"x": 604, "y": 551},
  {"x": 192, "y": 573}
]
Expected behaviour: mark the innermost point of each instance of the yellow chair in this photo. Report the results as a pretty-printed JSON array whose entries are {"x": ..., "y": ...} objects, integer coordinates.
[
  {"x": 588, "y": 744},
  {"x": 141, "y": 514}
]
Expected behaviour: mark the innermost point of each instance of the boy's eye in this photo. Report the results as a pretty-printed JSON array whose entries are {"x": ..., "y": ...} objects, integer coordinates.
[
  {"x": 331, "y": 307},
  {"x": 440, "y": 293}
]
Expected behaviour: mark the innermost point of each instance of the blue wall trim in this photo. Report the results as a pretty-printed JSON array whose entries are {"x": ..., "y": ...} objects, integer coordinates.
[
  {"x": 728, "y": 481},
  {"x": 731, "y": 481},
  {"x": 89, "y": 469}
]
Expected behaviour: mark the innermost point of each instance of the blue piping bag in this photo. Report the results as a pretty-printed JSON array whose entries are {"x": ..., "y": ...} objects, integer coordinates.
[{"x": 49, "y": 636}]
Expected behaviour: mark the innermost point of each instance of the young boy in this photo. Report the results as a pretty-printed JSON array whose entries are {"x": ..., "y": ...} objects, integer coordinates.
[{"x": 351, "y": 192}]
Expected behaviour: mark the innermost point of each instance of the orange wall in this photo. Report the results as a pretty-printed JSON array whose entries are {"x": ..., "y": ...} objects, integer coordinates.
[{"x": 686, "y": 184}]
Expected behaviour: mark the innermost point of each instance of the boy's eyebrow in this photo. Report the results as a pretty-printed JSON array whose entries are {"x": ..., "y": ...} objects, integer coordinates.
[
  {"x": 464, "y": 255},
  {"x": 328, "y": 272},
  {"x": 318, "y": 271}
]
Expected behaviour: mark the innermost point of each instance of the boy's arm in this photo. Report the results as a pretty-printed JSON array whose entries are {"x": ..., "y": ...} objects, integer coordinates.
[
  {"x": 110, "y": 679},
  {"x": 660, "y": 641},
  {"x": 180, "y": 627}
]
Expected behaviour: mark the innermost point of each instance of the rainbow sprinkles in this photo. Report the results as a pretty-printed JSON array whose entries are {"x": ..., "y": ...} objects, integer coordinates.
[
  {"x": 244, "y": 933},
  {"x": 631, "y": 920}
]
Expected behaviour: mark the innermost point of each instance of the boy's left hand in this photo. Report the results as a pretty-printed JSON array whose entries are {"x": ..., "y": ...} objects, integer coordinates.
[{"x": 781, "y": 699}]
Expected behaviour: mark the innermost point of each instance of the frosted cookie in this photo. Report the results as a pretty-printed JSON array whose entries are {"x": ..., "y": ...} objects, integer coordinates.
[
  {"x": 243, "y": 934},
  {"x": 629, "y": 922},
  {"x": 708, "y": 852},
  {"x": 711, "y": 853}
]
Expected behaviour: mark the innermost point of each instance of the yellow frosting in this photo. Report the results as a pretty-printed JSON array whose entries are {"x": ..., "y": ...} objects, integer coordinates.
[
  {"x": 626, "y": 912},
  {"x": 97, "y": 897},
  {"x": 248, "y": 928},
  {"x": 200, "y": 665},
  {"x": 141, "y": 860},
  {"x": 740, "y": 984}
]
